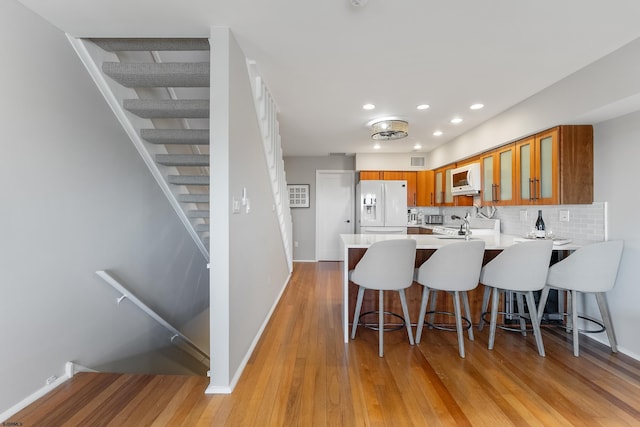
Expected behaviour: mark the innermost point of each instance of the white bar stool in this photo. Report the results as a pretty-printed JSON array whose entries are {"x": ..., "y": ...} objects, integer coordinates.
[
  {"x": 454, "y": 268},
  {"x": 386, "y": 265},
  {"x": 591, "y": 269}
]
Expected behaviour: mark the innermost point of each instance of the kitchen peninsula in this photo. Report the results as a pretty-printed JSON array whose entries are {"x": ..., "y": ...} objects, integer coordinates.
[{"x": 355, "y": 245}]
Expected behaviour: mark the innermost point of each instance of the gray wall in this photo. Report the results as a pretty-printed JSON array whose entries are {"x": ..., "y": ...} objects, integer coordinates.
[
  {"x": 76, "y": 198},
  {"x": 617, "y": 151},
  {"x": 249, "y": 267},
  {"x": 302, "y": 170}
]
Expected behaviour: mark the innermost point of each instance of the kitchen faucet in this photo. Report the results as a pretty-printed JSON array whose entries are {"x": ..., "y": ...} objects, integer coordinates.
[{"x": 467, "y": 231}]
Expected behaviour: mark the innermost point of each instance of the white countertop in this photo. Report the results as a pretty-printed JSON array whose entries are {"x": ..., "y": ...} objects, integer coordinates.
[{"x": 435, "y": 241}]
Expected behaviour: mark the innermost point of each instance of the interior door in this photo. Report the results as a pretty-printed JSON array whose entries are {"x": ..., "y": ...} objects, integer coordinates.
[{"x": 335, "y": 202}]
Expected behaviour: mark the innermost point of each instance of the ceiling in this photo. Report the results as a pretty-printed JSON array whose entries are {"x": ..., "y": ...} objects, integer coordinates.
[{"x": 323, "y": 60}]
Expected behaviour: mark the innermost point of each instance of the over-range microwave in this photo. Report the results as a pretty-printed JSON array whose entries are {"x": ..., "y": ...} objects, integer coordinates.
[{"x": 465, "y": 180}]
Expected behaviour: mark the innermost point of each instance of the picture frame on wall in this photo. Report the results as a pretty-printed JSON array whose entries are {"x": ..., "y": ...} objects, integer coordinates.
[{"x": 298, "y": 195}]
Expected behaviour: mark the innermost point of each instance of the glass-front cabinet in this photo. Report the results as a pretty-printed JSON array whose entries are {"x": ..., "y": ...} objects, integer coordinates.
[
  {"x": 443, "y": 194},
  {"x": 537, "y": 168},
  {"x": 498, "y": 176}
]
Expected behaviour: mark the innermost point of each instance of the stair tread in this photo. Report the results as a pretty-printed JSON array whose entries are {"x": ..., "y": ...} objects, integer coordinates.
[
  {"x": 168, "y": 108},
  {"x": 163, "y": 74},
  {"x": 188, "y": 179},
  {"x": 201, "y": 228},
  {"x": 145, "y": 44},
  {"x": 199, "y": 213},
  {"x": 183, "y": 159},
  {"x": 194, "y": 198},
  {"x": 176, "y": 136}
]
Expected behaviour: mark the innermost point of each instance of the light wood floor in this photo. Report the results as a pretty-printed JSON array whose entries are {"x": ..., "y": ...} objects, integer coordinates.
[{"x": 302, "y": 374}]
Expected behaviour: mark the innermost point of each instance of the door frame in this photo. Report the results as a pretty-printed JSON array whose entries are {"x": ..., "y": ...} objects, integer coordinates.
[{"x": 318, "y": 203}]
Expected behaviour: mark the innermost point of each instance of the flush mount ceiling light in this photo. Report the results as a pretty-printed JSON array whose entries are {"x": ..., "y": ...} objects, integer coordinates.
[{"x": 389, "y": 129}]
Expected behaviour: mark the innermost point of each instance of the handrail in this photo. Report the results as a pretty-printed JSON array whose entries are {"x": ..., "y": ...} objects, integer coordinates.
[{"x": 126, "y": 294}]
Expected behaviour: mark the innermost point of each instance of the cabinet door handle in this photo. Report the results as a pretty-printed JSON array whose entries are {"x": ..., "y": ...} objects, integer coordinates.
[
  {"x": 532, "y": 189},
  {"x": 496, "y": 193},
  {"x": 431, "y": 197}
]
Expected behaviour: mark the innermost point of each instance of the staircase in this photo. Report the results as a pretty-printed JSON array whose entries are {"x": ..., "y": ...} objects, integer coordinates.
[{"x": 159, "y": 90}]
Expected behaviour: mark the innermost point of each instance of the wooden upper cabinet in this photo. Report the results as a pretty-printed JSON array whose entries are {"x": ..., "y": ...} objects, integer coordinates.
[
  {"x": 392, "y": 175},
  {"x": 412, "y": 187},
  {"x": 369, "y": 175},
  {"x": 556, "y": 166},
  {"x": 408, "y": 176},
  {"x": 499, "y": 176},
  {"x": 425, "y": 188}
]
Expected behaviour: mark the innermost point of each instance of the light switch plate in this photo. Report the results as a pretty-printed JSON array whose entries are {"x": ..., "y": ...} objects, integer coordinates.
[
  {"x": 235, "y": 206},
  {"x": 564, "y": 215},
  {"x": 523, "y": 215}
]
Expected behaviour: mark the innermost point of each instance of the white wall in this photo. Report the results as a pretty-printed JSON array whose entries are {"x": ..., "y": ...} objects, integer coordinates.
[
  {"x": 76, "y": 198},
  {"x": 390, "y": 161},
  {"x": 617, "y": 151},
  {"x": 605, "y": 89},
  {"x": 249, "y": 265}
]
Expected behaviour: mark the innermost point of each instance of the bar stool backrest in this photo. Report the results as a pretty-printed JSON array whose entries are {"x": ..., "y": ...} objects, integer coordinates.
[
  {"x": 454, "y": 267},
  {"x": 386, "y": 265},
  {"x": 592, "y": 268},
  {"x": 520, "y": 267}
]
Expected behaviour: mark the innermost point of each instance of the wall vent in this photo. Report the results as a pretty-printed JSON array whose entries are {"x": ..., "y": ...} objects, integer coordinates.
[{"x": 417, "y": 161}]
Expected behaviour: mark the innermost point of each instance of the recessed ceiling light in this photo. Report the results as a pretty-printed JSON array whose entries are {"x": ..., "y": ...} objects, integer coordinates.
[
  {"x": 376, "y": 146},
  {"x": 417, "y": 147},
  {"x": 456, "y": 120},
  {"x": 423, "y": 106},
  {"x": 477, "y": 106},
  {"x": 437, "y": 133},
  {"x": 368, "y": 106}
]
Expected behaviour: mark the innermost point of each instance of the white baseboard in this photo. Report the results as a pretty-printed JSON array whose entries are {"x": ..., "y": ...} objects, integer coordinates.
[
  {"x": 622, "y": 350},
  {"x": 213, "y": 389},
  {"x": 70, "y": 369}
]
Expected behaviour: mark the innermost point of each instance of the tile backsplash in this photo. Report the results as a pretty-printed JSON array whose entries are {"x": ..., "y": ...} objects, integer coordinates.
[{"x": 587, "y": 223}]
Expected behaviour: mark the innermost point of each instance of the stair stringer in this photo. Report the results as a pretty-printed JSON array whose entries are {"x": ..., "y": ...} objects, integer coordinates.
[{"x": 92, "y": 56}]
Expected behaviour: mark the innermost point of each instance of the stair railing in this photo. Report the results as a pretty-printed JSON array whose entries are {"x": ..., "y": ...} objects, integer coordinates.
[
  {"x": 190, "y": 347},
  {"x": 267, "y": 113}
]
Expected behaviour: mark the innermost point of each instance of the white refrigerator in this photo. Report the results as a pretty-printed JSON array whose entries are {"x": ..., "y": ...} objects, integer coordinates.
[{"x": 382, "y": 207}]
